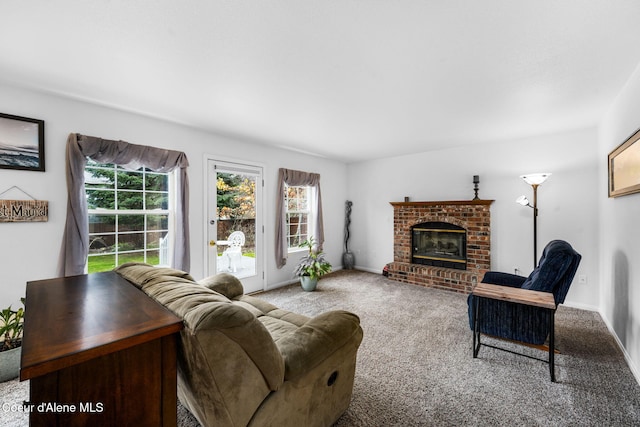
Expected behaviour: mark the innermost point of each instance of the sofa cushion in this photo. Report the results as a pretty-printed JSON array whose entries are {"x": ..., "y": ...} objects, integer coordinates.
[
  {"x": 207, "y": 313},
  {"x": 174, "y": 289},
  {"x": 139, "y": 273},
  {"x": 278, "y": 329}
]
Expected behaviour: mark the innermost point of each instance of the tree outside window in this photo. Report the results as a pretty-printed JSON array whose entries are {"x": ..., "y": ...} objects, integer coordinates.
[
  {"x": 236, "y": 209},
  {"x": 129, "y": 216}
]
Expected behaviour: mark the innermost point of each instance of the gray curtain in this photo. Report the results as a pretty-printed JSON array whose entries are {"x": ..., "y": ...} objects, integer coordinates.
[
  {"x": 296, "y": 178},
  {"x": 75, "y": 242}
]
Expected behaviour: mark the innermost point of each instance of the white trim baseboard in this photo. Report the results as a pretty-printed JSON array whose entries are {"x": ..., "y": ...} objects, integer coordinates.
[
  {"x": 581, "y": 306},
  {"x": 368, "y": 269},
  {"x": 634, "y": 369}
]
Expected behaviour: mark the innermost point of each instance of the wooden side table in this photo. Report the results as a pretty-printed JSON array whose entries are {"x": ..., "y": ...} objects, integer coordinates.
[
  {"x": 543, "y": 300},
  {"x": 98, "y": 351}
]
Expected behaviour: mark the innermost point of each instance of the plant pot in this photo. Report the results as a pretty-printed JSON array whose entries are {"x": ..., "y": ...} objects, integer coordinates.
[
  {"x": 10, "y": 364},
  {"x": 308, "y": 284}
]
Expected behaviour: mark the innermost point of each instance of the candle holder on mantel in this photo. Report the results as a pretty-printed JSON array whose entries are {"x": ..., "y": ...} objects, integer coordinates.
[{"x": 476, "y": 181}]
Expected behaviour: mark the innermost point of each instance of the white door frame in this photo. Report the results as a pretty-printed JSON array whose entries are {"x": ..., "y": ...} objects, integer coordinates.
[{"x": 260, "y": 211}]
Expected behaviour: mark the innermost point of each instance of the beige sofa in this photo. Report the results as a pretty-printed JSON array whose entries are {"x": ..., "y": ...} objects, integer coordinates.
[{"x": 243, "y": 361}]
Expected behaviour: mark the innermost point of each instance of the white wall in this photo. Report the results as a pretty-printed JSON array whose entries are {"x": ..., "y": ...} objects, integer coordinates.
[
  {"x": 569, "y": 208},
  {"x": 567, "y": 204},
  {"x": 30, "y": 251},
  {"x": 620, "y": 229}
]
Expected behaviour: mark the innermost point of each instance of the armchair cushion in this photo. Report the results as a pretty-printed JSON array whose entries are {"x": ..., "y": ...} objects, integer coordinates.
[
  {"x": 555, "y": 271},
  {"x": 504, "y": 279}
]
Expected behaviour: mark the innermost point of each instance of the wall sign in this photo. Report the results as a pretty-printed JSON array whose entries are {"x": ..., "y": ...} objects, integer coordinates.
[{"x": 24, "y": 210}]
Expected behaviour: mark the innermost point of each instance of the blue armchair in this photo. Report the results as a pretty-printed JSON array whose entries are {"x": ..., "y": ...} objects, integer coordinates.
[{"x": 509, "y": 314}]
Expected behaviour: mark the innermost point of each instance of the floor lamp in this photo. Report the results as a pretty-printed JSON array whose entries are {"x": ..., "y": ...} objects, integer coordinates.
[{"x": 533, "y": 179}]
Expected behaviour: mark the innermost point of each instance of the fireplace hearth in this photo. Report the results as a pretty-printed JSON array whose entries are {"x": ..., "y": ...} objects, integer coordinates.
[{"x": 445, "y": 245}]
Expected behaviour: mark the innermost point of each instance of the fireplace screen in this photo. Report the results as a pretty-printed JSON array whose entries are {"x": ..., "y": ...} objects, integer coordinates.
[{"x": 439, "y": 244}]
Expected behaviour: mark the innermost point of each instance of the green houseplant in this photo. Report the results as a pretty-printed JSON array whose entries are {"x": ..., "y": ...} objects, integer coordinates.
[
  {"x": 312, "y": 266},
  {"x": 11, "y": 325}
]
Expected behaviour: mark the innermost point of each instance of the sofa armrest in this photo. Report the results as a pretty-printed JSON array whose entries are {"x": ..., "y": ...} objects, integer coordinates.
[
  {"x": 503, "y": 279},
  {"x": 317, "y": 339},
  {"x": 223, "y": 283}
]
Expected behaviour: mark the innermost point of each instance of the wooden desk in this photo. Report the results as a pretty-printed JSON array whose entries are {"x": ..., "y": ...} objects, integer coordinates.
[{"x": 98, "y": 351}]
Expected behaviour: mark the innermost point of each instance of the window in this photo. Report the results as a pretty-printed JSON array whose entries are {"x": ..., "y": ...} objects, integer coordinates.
[
  {"x": 302, "y": 204},
  {"x": 129, "y": 216},
  {"x": 298, "y": 214},
  {"x": 81, "y": 148}
]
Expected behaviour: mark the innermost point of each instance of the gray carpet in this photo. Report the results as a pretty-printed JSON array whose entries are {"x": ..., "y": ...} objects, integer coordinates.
[{"x": 415, "y": 366}]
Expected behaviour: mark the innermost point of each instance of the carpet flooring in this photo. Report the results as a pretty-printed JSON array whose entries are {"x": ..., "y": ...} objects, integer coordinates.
[{"x": 415, "y": 366}]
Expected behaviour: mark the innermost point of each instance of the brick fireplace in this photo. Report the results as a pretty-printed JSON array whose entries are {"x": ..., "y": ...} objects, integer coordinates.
[{"x": 472, "y": 216}]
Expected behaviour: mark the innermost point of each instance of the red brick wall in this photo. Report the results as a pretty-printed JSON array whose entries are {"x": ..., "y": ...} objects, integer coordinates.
[{"x": 472, "y": 215}]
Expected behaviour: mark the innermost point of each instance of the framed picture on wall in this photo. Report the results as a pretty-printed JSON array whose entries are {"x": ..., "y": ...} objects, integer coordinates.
[
  {"x": 21, "y": 143},
  {"x": 624, "y": 167}
]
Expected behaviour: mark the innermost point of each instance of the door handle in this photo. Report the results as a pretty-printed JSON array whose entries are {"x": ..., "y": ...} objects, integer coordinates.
[{"x": 212, "y": 242}]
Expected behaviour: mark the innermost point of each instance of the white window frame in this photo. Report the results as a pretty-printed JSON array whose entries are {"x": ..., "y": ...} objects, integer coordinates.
[
  {"x": 310, "y": 191},
  {"x": 170, "y": 212}
]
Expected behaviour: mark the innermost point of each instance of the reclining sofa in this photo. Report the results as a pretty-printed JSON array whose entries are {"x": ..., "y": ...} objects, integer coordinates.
[{"x": 245, "y": 362}]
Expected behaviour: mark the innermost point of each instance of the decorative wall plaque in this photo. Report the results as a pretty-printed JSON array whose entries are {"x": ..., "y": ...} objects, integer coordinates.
[{"x": 24, "y": 210}]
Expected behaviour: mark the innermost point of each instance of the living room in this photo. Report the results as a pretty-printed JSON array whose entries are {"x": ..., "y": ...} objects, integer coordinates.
[{"x": 573, "y": 203}]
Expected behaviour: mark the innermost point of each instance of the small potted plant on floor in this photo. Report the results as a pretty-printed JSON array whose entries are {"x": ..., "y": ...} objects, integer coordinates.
[
  {"x": 311, "y": 266},
  {"x": 11, "y": 329}
]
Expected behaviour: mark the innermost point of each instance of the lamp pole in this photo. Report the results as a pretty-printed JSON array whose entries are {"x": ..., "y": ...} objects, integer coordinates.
[
  {"x": 535, "y": 225},
  {"x": 534, "y": 180}
]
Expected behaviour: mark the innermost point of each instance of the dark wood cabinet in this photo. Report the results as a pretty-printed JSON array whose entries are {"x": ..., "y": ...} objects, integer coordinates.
[{"x": 98, "y": 351}]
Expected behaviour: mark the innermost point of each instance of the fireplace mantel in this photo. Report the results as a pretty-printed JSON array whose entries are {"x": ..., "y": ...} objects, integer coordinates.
[
  {"x": 472, "y": 215},
  {"x": 447, "y": 202}
]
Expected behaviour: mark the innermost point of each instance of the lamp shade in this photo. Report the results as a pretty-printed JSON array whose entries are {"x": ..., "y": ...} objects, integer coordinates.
[
  {"x": 535, "y": 178},
  {"x": 522, "y": 200}
]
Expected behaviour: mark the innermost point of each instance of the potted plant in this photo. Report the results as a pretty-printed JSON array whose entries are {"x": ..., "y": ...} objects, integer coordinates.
[
  {"x": 11, "y": 329},
  {"x": 311, "y": 266}
]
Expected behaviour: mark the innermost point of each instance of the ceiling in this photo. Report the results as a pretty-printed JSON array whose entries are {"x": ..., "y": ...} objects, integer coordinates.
[{"x": 345, "y": 79}]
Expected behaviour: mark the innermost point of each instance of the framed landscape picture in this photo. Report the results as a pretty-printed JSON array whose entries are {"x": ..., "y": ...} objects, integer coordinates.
[
  {"x": 624, "y": 167},
  {"x": 21, "y": 143}
]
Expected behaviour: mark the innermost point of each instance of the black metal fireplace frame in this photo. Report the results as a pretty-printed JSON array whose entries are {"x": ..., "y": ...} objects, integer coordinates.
[{"x": 458, "y": 263}]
